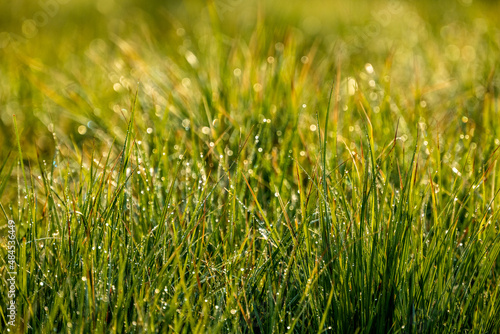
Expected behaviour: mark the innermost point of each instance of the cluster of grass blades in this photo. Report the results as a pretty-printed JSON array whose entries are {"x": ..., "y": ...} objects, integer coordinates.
[
  {"x": 174, "y": 175},
  {"x": 131, "y": 242}
]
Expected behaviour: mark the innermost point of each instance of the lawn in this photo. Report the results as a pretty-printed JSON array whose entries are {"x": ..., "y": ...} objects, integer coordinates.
[{"x": 260, "y": 166}]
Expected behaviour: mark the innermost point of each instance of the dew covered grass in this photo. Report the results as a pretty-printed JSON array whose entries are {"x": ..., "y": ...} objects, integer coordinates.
[{"x": 251, "y": 167}]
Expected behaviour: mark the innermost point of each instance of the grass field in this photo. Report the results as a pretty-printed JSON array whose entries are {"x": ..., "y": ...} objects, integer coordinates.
[{"x": 249, "y": 166}]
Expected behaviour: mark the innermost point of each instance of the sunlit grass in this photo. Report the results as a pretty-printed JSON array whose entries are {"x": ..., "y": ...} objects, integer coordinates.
[{"x": 296, "y": 169}]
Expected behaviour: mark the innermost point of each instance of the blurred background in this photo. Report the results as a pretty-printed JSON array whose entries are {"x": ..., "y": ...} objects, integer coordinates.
[{"x": 70, "y": 69}]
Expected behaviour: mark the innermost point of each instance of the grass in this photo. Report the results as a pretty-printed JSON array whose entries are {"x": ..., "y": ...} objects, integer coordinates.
[{"x": 256, "y": 168}]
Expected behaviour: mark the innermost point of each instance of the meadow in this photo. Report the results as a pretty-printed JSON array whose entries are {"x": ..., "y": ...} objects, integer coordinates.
[{"x": 232, "y": 166}]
